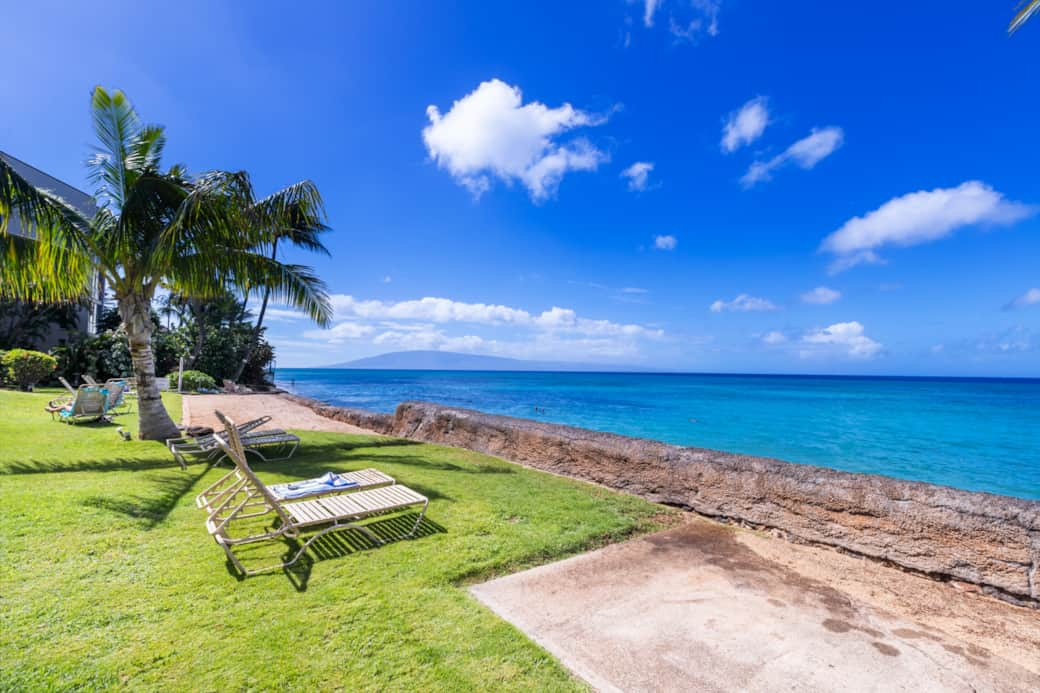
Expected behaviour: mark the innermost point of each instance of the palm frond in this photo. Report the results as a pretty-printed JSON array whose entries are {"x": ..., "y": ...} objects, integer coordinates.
[
  {"x": 116, "y": 126},
  {"x": 295, "y": 214},
  {"x": 54, "y": 261},
  {"x": 1023, "y": 16}
]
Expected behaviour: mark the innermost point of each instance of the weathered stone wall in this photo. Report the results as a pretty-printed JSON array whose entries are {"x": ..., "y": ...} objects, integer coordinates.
[
  {"x": 373, "y": 421},
  {"x": 991, "y": 541}
]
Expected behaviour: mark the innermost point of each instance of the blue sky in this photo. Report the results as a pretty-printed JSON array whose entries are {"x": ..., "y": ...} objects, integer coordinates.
[{"x": 835, "y": 187}]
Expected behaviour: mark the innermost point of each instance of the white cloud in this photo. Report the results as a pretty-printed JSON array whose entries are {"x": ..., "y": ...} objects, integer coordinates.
[
  {"x": 491, "y": 133},
  {"x": 649, "y": 9},
  {"x": 343, "y": 331},
  {"x": 1029, "y": 298},
  {"x": 665, "y": 242},
  {"x": 638, "y": 175},
  {"x": 705, "y": 20},
  {"x": 847, "y": 337},
  {"x": 634, "y": 290},
  {"x": 774, "y": 337},
  {"x": 743, "y": 304},
  {"x": 920, "y": 217},
  {"x": 821, "y": 295},
  {"x": 745, "y": 125},
  {"x": 387, "y": 279},
  {"x": 444, "y": 310},
  {"x": 279, "y": 314},
  {"x": 805, "y": 153}
]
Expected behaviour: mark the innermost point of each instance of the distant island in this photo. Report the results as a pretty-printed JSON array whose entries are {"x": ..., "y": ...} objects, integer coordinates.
[{"x": 452, "y": 361}]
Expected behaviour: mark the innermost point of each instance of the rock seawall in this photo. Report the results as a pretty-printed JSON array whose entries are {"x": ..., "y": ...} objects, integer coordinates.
[{"x": 988, "y": 540}]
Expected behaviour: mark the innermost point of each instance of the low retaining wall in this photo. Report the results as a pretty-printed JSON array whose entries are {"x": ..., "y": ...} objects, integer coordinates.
[
  {"x": 991, "y": 541},
  {"x": 373, "y": 421}
]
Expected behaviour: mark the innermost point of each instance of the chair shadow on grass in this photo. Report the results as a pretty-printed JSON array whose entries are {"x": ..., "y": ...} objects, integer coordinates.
[{"x": 345, "y": 543}]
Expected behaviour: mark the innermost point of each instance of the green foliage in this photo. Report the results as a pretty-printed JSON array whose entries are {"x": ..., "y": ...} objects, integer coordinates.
[
  {"x": 113, "y": 584},
  {"x": 107, "y": 355},
  {"x": 25, "y": 368},
  {"x": 192, "y": 381}
]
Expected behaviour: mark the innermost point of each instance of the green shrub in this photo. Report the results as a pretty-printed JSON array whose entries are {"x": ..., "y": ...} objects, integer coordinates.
[
  {"x": 193, "y": 381},
  {"x": 25, "y": 368}
]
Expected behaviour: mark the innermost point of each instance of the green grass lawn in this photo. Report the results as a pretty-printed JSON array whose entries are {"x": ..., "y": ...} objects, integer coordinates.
[{"x": 108, "y": 578}]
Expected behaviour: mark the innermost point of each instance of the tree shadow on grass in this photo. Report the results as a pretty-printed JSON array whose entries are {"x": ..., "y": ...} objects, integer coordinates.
[
  {"x": 111, "y": 464},
  {"x": 150, "y": 508},
  {"x": 344, "y": 543}
]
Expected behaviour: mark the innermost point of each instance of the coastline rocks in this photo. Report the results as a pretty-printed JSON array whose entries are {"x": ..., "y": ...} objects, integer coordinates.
[
  {"x": 373, "y": 421},
  {"x": 983, "y": 539}
]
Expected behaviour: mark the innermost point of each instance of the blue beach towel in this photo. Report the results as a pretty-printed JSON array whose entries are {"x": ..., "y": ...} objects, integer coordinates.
[{"x": 330, "y": 481}]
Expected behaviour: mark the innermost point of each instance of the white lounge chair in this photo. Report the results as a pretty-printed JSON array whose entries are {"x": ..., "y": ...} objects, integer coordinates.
[
  {"x": 90, "y": 403},
  {"x": 117, "y": 403},
  {"x": 206, "y": 447},
  {"x": 235, "y": 481},
  {"x": 333, "y": 512}
]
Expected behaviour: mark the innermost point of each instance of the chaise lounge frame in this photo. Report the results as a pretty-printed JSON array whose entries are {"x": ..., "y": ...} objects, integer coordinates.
[{"x": 339, "y": 512}]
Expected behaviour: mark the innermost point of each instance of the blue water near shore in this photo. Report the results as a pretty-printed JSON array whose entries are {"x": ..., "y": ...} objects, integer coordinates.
[{"x": 975, "y": 434}]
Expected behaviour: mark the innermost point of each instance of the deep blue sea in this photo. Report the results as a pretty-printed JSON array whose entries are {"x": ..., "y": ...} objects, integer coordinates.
[{"x": 976, "y": 434}]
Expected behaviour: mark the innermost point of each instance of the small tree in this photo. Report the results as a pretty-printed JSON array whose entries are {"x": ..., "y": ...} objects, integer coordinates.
[{"x": 25, "y": 368}]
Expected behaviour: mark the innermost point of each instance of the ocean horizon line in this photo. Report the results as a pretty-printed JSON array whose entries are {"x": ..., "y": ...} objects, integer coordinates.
[{"x": 653, "y": 372}]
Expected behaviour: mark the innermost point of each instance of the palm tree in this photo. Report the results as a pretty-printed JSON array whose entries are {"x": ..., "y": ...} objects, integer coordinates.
[
  {"x": 302, "y": 232},
  {"x": 153, "y": 227},
  {"x": 1023, "y": 15}
]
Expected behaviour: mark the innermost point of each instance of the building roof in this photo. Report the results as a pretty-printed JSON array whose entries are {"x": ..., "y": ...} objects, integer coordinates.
[{"x": 74, "y": 196}]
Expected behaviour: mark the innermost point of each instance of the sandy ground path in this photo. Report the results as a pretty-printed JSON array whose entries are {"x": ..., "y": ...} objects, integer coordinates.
[
  {"x": 198, "y": 411},
  {"x": 708, "y": 607}
]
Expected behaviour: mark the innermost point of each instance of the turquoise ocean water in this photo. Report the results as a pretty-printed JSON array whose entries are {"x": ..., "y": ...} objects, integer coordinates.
[{"x": 976, "y": 434}]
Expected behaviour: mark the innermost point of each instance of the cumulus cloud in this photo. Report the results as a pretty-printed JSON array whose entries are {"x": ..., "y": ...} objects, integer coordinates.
[
  {"x": 742, "y": 304},
  {"x": 821, "y": 295},
  {"x": 805, "y": 153},
  {"x": 490, "y": 133},
  {"x": 1029, "y": 298},
  {"x": 444, "y": 310},
  {"x": 846, "y": 337},
  {"x": 665, "y": 242},
  {"x": 774, "y": 337},
  {"x": 638, "y": 175},
  {"x": 745, "y": 125},
  {"x": 920, "y": 217}
]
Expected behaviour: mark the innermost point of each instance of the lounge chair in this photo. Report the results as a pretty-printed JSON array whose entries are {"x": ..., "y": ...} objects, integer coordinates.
[
  {"x": 335, "y": 512},
  {"x": 344, "y": 482},
  {"x": 89, "y": 380},
  {"x": 60, "y": 402},
  {"x": 89, "y": 404},
  {"x": 206, "y": 447},
  {"x": 117, "y": 403}
]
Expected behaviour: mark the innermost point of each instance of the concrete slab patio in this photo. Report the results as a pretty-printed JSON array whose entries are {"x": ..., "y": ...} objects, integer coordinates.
[{"x": 709, "y": 607}]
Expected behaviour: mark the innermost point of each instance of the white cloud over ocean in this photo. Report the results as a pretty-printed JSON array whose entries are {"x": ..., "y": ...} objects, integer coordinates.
[
  {"x": 446, "y": 324},
  {"x": 846, "y": 338},
  {"x": 491, "y": 133},
  {"x": 920, "y": 217}
]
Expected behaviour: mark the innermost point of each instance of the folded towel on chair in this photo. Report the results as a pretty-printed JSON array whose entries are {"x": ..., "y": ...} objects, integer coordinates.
[{"x": 330, "y": 481}]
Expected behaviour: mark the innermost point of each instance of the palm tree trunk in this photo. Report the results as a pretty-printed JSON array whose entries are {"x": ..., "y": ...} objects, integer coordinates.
[
  {"x": 251, "y": 347},
  {"x": 154, "y": 423}
]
